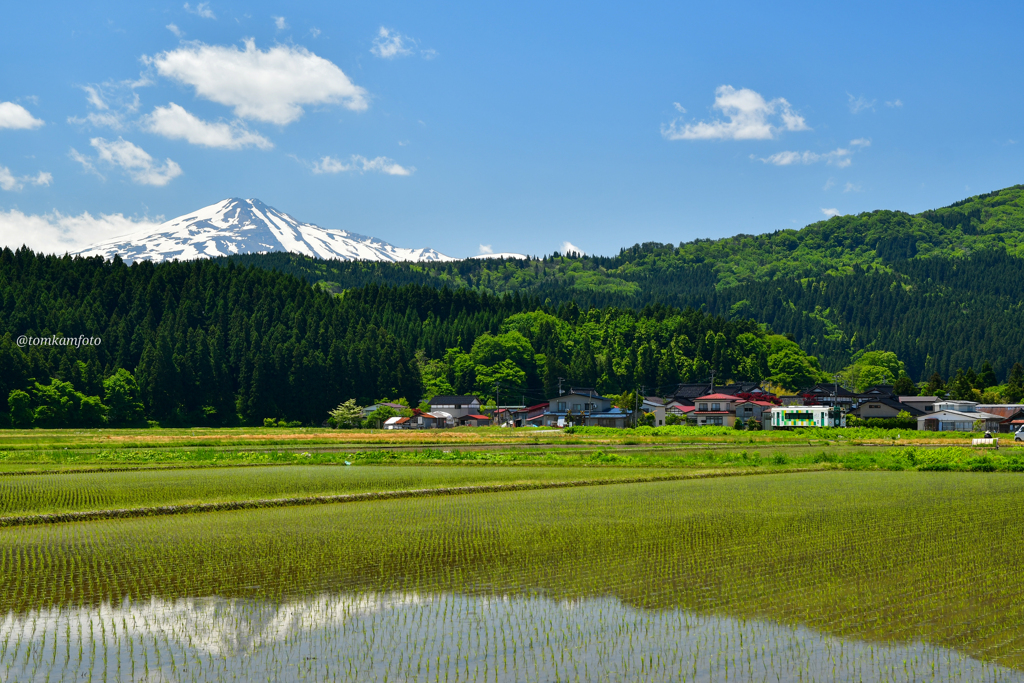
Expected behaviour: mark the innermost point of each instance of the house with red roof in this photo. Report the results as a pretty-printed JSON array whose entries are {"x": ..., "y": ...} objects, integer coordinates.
[{"x": 716, "y": 410}]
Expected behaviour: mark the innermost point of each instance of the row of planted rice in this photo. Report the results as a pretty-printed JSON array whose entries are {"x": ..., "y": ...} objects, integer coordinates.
[
  {"x": 824, "y": 576},
  {"x": 48, "y": 493}
]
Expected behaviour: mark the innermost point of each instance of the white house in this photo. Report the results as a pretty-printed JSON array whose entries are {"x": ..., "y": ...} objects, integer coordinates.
[
  {"x": 455, "y": 406},
  {"x": 653, "y": 404},
  {"x": 944, "y": 420}
]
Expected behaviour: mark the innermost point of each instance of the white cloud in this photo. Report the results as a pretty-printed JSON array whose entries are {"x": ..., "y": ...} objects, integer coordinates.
[
  {"x": 85, "y": 161},
  {"x": 202, "y": 9},
  {"x": 894, "y": 103},
  {"x": 390, "y": 44},
  {"x": 173, "y": 28},
  {"x": 850, "y": 187},
  {"x": 360, "y": 163},
  {"x": 315, "y": 32},
  {"x": 859, "y": 104},
  {"x": 568, "y": 247},
  {"x": 174, "y": 122},
  {"x": 13, "y": 183},
  {"x": 99, "y": 120},
  {"x": 748, "y": 117},
  {"x": 17, "y": 117},
  {"x": 280, "y": 23},
  {"x": 112, "y": 101},
  {"x": 267, "y": 86},
  {"x": 133, "y": 159},
  {"x": 486, "y": 249},
  {"x": 830, "y": 212},
  {"x": 838, "y": 157},
  {"x": 92, "y": 94},
  {"x": 58, "y": 233},
  {"x": 429, "y": 53}
]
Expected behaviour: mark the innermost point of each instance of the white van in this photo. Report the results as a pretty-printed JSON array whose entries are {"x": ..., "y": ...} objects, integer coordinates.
[{"x": 1019, "y": 435}]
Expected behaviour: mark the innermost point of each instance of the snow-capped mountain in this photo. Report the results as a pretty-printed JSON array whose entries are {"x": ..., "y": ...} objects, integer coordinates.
[{"x": 244, "y": 226}]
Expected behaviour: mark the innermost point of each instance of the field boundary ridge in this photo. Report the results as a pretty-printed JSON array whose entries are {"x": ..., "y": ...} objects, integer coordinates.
[{"x": 259, "y": 503}]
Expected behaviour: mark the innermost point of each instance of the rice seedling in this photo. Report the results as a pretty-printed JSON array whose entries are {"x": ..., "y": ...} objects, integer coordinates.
[{"x": 873, "y": 576}]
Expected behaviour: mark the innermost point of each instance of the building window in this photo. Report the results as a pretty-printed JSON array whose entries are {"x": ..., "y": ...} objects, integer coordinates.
[
  {"x": 576, "y": 406},
  {"x": 703, "y": 406},
  {"x": 561, "y": 406},
  {"x": 716, "y": 406}
]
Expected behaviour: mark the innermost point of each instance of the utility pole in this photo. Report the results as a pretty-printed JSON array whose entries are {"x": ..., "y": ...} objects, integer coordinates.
[
  {"x": 560, "y": 380},
  {"x": 712, "y": 382},
  {"x": 497, "y": 400}
]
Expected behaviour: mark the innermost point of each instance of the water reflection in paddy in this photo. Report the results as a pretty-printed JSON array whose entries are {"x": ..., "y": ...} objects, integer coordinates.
[{"x": 445, "y": 637}]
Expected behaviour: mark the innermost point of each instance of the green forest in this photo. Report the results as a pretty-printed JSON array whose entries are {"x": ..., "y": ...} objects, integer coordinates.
[
  {"x": 880, "y": 297},
  {"x": 943, "y": 289},
  {"x": 215, "y": 343}
]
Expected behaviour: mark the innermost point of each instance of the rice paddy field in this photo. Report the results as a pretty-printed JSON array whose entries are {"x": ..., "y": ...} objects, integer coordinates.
[{"x": 795, "y": 576}]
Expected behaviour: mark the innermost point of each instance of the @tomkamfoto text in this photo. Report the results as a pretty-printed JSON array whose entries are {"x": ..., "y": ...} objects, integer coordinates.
[{"x": 54, "y": 340}]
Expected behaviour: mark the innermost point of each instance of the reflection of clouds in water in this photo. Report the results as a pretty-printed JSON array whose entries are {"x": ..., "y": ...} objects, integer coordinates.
[{"x": 376, "y": 635}]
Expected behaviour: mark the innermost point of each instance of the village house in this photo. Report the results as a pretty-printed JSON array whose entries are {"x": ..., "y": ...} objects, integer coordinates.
[
  {"x": 827, "y": 394},
  {"x": 925, "y": 404},
  {"x": 529, "y": 416},
  {"x": 369, "y": 410},
  {"x": 679, "y": 410},
  {"x": 474, "y": 421},
  {"x": 753, "y": 410},
  {"x": 884, "y": 407},
  {"x": 653, "y": 404},
  {"x": 584, "y": 406},
  {"x": 1012, "y": 415},
  {"x": 451, "y": 408},
  {"x": 958, "y": 416},
  {"x": 716, "y": 410}
]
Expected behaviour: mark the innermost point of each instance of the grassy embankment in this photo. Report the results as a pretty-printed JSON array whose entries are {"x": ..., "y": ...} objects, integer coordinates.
[{"x": 257, "y": 437}]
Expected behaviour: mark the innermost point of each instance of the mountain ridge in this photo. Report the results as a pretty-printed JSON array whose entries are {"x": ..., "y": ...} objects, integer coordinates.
[
  {"x": 240, "y": 226},
  {"x": 942, "y": 288}
]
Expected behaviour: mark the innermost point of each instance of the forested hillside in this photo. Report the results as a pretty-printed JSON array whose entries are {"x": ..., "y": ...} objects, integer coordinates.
[
  {"x": 943, "y": 288},
  {"x": 215, "y": 343}
]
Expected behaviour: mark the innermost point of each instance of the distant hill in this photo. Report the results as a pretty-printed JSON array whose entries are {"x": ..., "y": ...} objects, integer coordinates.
[{"x": 943, "y": 289}]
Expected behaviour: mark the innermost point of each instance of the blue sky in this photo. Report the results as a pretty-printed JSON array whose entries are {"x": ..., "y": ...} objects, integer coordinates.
[{"x": 508, "y": 126}]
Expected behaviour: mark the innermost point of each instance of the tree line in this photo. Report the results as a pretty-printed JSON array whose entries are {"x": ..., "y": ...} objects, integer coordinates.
[
  {"x": 942, "y": 289},
  {"x": 217, "y": 343}
]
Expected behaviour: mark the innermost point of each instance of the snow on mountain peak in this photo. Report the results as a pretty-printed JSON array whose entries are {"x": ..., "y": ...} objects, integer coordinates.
[{"x": 245, "y": 226}]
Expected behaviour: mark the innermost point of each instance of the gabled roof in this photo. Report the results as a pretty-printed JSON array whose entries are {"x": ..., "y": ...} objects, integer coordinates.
[
  {"x": 896, "y": 405},
  {"x": 654, "y": 400},
  {"x": 586, "y": 391},
  {"x": 445, "y": 400},
  {"x": 767, "y": 404},
  {"x": 826, "y": 389},
  {"x": 878, "y": 390},
  {"x": 476, "y": 417},
  {"x": 716, "y": 397},
  {"x": 957, "y": 413},
  {"x": 691, "y": 391},
  {"x": 739, "y": 388}
]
